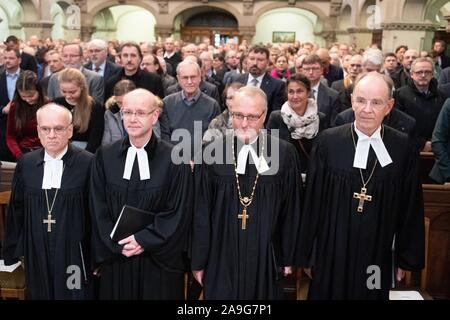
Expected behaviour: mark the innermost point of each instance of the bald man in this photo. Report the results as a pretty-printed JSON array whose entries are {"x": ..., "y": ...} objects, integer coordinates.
[
  {"x": 138, "y": 171},
  {"x": 48, "y": 217}
]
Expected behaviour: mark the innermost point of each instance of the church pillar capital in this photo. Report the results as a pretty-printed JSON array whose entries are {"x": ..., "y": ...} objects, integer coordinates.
[
  {"x": 163, "y": 32},
  {"x": 247, "y": 33}
]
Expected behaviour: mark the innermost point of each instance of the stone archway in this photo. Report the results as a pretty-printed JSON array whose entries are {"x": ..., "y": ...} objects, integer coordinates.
[
  {"x": 322, "y": 28},
  {"x": 206, "y": 22},
  {"x": 111, "y": 20}
]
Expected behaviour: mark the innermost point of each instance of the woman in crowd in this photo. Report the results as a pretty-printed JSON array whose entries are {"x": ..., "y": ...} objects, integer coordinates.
[
  {"x": 299, "y": 120},
  {"x": 21, "y": 131},
  {"x": 88, "y": 122},
  {"x": 114, "y": 129},
  {"x": 218, "y": 126},
  {"x": 281, "y": 68}
]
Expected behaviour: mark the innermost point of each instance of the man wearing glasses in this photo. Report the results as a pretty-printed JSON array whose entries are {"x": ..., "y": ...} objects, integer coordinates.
[
  {"x": 247, "y": 208},
  {"x": 422, "y": 100},
  {"x": 138, "y": 171},
  {"x": 363, "y": 214},
  {"x": 48, "y": 219},
  {"x": 72, "y": 57}
]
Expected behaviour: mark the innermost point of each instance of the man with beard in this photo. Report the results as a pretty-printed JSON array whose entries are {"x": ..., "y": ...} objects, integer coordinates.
[{"x": 257, "y": 61}]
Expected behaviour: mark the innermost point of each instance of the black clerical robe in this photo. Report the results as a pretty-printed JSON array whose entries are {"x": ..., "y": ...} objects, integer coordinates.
[
  {"x": 60, "y": 257},
  {"x": 246, "y": 264},
  {"x": 345, "y": 246},
  {"x": 157, "y": 273}
]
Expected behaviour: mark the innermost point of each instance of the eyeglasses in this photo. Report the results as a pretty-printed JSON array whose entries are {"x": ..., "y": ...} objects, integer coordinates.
[
  {"x": 375, "y": 103},
  {"x": 250, "y": 117},
  {"x": 71, "y": 56},
  {"x": 356, "y": 66},
  {"x": 139, "y": 113},
  {"x": 423, "y": 72},
  {"x": 58, "y": 130},
  {"x": 314, "y": 69},
  {"x": 187, "y": 78}
]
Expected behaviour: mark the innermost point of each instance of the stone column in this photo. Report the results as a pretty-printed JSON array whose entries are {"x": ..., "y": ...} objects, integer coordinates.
[
  {"x": 416, "y": 35},
  {"x": 86, "y": 33},
  {"x": 42, "y": 29},
  {"x": 448, "y": 23},
  {"x": 163, "y": 32},
  {"x": 246, "y": 33}
]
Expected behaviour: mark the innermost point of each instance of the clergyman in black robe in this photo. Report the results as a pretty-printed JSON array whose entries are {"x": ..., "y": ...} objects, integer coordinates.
[
  {"x": 234, "y": 257},
  {"x": 56, "y": 254},
  {"x": 151, "y": 263},
  {"x": 350, "y": 248}
]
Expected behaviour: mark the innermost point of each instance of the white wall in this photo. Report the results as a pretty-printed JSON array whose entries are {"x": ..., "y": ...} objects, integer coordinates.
[
  {"x": 300, "y": 21},
  {"x": 4, "y": 29},
  {"x": 133, "y": 23}
]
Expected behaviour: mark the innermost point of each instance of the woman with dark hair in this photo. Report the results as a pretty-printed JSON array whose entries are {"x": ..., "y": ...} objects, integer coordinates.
[
  {"x": 88, "y": 122},
  {"x": 21, "y": 130},
  {"x": 299, "y": 120},
  {"x": 281, "y": 68}
]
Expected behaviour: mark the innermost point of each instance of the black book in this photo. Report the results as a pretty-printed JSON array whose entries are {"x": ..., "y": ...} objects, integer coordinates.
[{"x": 130, "y": 221}]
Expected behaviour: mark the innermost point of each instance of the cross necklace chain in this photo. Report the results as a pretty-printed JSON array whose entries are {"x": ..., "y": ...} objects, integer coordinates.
[
  {"x": 246, "y": 201},
  {"x": 363, "y": 196}
]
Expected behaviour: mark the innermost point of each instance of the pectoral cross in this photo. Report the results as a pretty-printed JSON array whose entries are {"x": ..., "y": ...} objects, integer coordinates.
[
  {"x": 244, "y": 216},
  {"x": 49, "y": 222},
  {"x": 362, "y": 197}
]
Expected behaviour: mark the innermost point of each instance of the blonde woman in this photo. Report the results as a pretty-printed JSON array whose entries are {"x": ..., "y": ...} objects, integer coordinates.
[{"x": 88, "y": 122}]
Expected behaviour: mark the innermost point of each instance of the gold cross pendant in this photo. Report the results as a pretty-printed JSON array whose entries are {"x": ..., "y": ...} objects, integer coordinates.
[
  {"x": 244, "y": 216},
  {"x": 49, "y": 222},
  {"x": 362, "y": 197}
]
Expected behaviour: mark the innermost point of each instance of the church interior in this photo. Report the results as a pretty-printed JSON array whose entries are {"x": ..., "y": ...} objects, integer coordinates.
[{"x": 360, "y": 24}]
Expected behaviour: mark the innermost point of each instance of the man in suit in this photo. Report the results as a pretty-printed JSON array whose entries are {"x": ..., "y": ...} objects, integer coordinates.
[
  {"x": 8, "y": 79},
  {"x": 72, "y": 55},
  {"x": 327, "y": 99},
  {"x": 28, "y": 62},
  {"x": 443, "y": 60},
  {"x": 171, "y": 56},
  {"x": 401, "y": 77},
  {"x": 257, "y": 62},
  {"x": 330, "y": 72},
  {"x": 55, "y": 64},
  {"x": 98, "y": 54}
]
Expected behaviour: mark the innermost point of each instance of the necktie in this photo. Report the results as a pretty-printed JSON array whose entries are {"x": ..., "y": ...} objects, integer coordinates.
[
  {"x": 144, "y": 170},
  {"x": 97, "y": 69},
  {"x": 313, "y": 94},
  {"x": 254, "y": 82}
]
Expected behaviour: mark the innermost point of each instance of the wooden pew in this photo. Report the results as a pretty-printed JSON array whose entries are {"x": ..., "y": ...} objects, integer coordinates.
[
  {"x": 6, "y": 175},
  {"x": 437, "y": 209}
]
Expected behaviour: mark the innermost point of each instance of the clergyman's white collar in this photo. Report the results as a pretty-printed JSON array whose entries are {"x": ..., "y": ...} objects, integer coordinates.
[{"x": 363, "y": 147}]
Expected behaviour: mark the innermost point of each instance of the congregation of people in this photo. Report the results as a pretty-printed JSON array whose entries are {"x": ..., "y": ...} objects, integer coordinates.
[{"x": 321, "y": 169}]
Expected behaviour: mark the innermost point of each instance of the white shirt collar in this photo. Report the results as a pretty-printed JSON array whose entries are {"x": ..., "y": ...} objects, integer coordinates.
[
  {"x": 53, "y": 170},
  {"x": 260, "y": 162},
  {"x": 250, "y": 79},
  {"x": 144, "y": 168},
  {"x": 13, "y": 74},
  {"x": 363, "y": 147}
]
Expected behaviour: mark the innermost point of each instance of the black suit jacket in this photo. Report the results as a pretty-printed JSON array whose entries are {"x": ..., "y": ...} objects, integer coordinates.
[
  {"x": 444, "y": 82},
  {"x": 5, "y": 154},
  {"x": 273, "y": 88},
  {"x": 28, "y": 62},
  {"x": 111, "y": 69},
  {"x": 334, "y": 74},
  {"x": 328, "y": 103},
  {"x": 396, "y": 119},
  {"x": 345, "y": 94}
]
